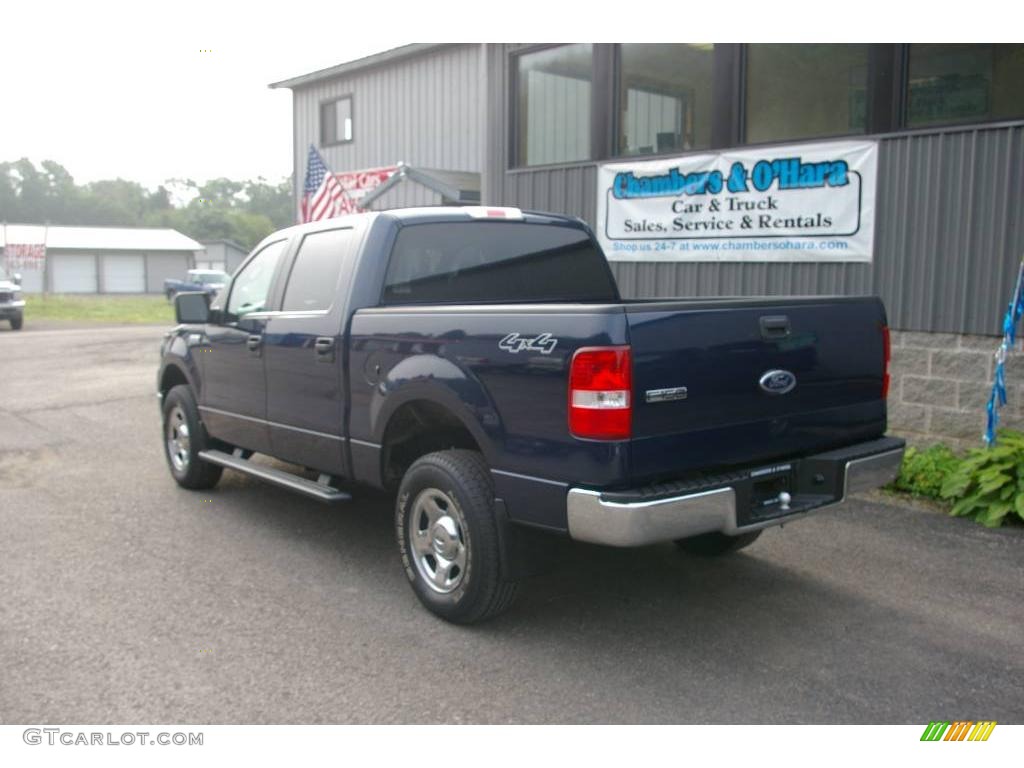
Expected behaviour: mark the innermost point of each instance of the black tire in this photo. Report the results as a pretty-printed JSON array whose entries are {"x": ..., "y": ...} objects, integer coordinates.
[
  {"x": 16, "y": 322},
  {"x": 187, "y": 469},
  {"x": 715, "y": 544},
  {"x": 446, "y": 501}
]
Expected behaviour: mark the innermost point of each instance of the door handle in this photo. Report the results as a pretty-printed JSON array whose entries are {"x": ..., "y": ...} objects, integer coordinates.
[
  {"x": 254, "y": 343},
  {"x": 774, "y": 327},
  {"x": 324, "y": 346}
]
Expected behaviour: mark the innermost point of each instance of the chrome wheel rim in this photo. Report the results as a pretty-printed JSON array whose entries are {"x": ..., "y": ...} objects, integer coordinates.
[
  {"x": 177, "y": 439},
  {"x": 438, "y": 541}
]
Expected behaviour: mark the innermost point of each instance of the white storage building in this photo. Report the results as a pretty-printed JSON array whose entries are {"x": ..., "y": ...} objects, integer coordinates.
[{"x": 103, "y": 259}]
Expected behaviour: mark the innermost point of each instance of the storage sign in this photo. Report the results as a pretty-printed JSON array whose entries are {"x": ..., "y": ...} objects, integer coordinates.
[
  {"x": 19, "y": 257},
  {"x": 807, "y": 202}
]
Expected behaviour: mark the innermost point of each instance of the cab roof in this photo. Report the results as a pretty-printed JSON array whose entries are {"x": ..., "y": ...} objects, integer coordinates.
[{"x": 438, "y": 213}]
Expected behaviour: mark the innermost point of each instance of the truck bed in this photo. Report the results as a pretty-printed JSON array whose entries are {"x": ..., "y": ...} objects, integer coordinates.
[{"x": 716, "y": 349}]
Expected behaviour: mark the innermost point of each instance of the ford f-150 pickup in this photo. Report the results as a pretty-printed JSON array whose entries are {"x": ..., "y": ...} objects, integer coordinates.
[{"x": 480, "y": 363}]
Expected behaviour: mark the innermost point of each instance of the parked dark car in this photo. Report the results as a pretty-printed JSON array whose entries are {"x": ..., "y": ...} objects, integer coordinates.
[
  {"x": 202, "y": 280},
  {"x": 480, "y": 363},
  {"x": 12, "y": 303}
]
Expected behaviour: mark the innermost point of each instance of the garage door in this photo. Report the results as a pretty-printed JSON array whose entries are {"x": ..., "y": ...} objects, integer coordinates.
[
  {"x": 124, "y": 274},
  {"x": 73, "y": 274}
]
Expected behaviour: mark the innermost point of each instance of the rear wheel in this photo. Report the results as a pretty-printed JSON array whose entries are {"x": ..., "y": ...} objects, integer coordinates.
[
  {"x": 16, "y": 322},
  {"x": 714, "y": 544},
  {"x": 448, "y": 537},
  {"x": 184, "y": 438}
]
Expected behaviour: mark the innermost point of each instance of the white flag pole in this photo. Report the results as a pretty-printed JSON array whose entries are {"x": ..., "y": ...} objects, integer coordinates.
[{"x": 46, "y": 260}]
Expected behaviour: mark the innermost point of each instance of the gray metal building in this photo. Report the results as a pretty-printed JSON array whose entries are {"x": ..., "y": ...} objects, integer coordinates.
[
  {"x": 537, "y": 121},
  {"x": 224, "y": 255},
  {"x": 419, "y": 105}
]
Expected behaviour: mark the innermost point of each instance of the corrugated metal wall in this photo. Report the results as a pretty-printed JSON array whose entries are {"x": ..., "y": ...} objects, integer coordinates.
[
  {"x": 407, "y": 194},
  {"x": 949, "y": 226},
  {"x": 424, "y": 110}
]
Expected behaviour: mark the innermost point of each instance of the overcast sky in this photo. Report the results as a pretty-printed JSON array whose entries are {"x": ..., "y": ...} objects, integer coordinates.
[
  {"x": 126, "y": 89},
  {"x": 109, "y": 90}
]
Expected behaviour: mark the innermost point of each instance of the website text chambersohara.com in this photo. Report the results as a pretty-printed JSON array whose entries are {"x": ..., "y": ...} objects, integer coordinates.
[{"x": 729, "y": 245}]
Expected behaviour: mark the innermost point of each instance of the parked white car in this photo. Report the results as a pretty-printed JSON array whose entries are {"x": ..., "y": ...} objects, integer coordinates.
[{"x": 12, "y": 305}]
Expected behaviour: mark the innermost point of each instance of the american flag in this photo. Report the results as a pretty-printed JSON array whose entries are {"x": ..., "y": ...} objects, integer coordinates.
[{"x": 323, "y": 196}]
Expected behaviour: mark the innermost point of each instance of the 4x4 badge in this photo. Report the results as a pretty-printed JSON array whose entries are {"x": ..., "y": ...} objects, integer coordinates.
[{"x": 514, "y": 343}]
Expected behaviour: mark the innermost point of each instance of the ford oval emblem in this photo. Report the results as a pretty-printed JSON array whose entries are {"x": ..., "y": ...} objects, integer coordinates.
[{"x": 777, "y": 382}]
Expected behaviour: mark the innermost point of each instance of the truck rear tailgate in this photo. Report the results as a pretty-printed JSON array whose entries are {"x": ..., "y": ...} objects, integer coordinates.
[{"x": 764, "y": 379}]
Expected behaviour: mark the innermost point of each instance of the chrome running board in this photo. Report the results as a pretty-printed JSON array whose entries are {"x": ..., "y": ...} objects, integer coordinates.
[{"x": 318, "y": 489}]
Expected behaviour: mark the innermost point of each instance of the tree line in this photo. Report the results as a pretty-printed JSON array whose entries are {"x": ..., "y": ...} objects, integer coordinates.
[{"x": 243, "y": 211}]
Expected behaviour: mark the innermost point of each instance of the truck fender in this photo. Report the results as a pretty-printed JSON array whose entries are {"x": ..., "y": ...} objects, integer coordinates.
[
  {"x": 178, "y": 362},
  {"x": 438, "y": 380}
]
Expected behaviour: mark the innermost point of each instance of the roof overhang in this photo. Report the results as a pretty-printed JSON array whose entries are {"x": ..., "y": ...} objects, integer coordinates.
[
  {"x": 98, "y": 238},
  {"x": 373, "y": 60},
  {"x": 459, "y": 187}
]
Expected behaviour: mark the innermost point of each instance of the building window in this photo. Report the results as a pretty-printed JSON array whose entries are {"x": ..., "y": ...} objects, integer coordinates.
[
  {"x": 553, "y": 105},
  {"x": 664, "y": 98},
  {"x": 951, "y": 83},
  {"x": 336, "y": 121},
  {"x": 805, "y": 91}
]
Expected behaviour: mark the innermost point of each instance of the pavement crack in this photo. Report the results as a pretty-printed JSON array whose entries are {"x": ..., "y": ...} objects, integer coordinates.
[{"x": 68, "y": 406}]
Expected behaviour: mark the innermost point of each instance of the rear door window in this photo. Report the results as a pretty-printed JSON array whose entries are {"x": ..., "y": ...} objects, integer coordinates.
[{"x": 313, "y": 282}]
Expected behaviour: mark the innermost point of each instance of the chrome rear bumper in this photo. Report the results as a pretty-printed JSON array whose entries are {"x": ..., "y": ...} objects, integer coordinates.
[{"x": 600, "y": 520}]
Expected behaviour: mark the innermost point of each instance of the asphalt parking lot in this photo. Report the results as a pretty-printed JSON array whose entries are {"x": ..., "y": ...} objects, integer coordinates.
[{"x": 126, "y": 599}]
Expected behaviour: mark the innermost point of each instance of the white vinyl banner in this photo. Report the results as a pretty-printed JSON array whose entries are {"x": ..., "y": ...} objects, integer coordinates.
[{"x": 804, "y": 202}]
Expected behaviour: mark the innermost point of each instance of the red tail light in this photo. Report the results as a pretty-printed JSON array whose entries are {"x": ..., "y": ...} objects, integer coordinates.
[
  {"x": 887, "y": 356},
  {"x": 600, "y": 393}
]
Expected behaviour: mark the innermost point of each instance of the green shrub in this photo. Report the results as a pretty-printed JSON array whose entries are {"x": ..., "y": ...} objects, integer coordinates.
[
  {"x": 989, "y": 483},
  {"x": 924, "y": 472}
]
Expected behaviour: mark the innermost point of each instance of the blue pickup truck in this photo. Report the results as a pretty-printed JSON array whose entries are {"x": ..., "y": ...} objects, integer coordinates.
[
  {"x": 196, "y": 281},
  {"x": 480, "y": 363}
]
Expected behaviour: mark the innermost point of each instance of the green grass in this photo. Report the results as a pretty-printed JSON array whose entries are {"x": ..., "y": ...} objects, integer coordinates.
[{"x": 99, "y": 309}]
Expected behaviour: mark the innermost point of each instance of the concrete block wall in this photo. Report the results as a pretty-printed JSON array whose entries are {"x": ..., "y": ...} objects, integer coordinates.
[{"x": 941, "y": 383}]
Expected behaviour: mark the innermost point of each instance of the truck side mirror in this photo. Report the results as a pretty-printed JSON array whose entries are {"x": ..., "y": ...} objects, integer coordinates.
[
  {"x": 191, "y": 308},
  {"x": 16, "y": 277}
]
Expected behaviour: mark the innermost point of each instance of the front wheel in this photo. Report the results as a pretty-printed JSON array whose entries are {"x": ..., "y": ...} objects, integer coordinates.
[
  {"x": 448, "y": 537},
  {"x": 16, "y": 322},
  {"x": 714, "y": 544},
  {"x": 184, "y": 438}
]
